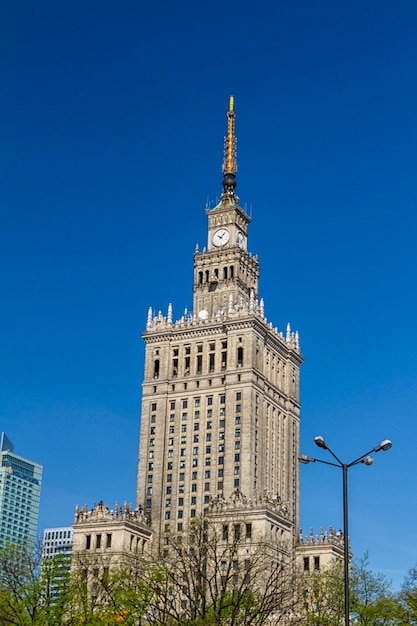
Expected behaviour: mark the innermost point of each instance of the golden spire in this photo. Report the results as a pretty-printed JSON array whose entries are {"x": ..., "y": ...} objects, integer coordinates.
[{"x": 229, "y": 162}]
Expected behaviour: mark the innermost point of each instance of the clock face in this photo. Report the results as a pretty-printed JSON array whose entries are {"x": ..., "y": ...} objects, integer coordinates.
[
  {"x": 221, "y": 237},
  {"x": 240, "y": 240}
]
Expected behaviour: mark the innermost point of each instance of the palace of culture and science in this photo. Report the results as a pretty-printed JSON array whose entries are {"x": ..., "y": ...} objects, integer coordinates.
[{"x": 220, "y": 418}]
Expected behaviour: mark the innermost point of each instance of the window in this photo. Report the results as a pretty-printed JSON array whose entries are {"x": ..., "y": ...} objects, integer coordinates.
[
  {"x": 182, "y": 476},
  {"x": 238, "y": 395},
  {"x": 170, "y": 453},
  {"x": 184, "y": 416},
  {"x": 193, "y": 500},
  {"x": 238, "y": 408},
  {"x": 240, "y": 356},
  {"x": 237, "y": 419},
  {"x": 169, "y": 465},
  {"x": 169, "y": 490},
  {"x": 206, "y": 486},
  {"x": 150, "y": 478},
  {"x": 220, "y": 460},
  {"x": 180, "y": 501},
  {"x": 237, "y": 432},
  {"x": 98, "y": 541},
  {"x": 180, "y": 514},
  {"x": 237, "y": 445},
  {"x": 172, "y": 417},
  {"x": 193, "y": 487},
  {"x": 208, "y": 461},
  {"x": 195, "y": 450},
  {"x": 172, "y": 405},
  {"x": 153, "y": 406},
  {"x": 197, "y": 426},
  {"x": 182, "y": 464},
  {"x": 225, "y": 532},
  {"x": 236, "y": 532},
  {"x": 237, "y": 470},
  {"x": 108, "y": 540},
  {"x": 179, "y": 527},
  {"x": 210, "y": 400},
  {"x": 194, "y": 476},
  {"x": 236, "y": 482},
  {"x": 171, "y": 430},
  {"x": 221, "y": 436},
  {"x": 149, "y": 491},
  {"x": 220, "y": 485},
  {"x": 220, "y": 473},
  {"x": 168, "y": 502},
  {"x": 222, "y": 399},
  {"x": 317, "y": 563},
  {"x": 88, "y": 542},
  {"x": 183, "y": 428},
  {"x": 195, "y": 439},
  {"x": 196, "y": 415},
  {"x": 184, "y": 404},
  {"x": 237, "y": 458},
  {"x": 184, "y": 439},
  {"x": 209, "y": 425},
  {"x": 248, "y": 531},
  {"x": 221, "y": 447},
  {"x": 148, "y": 503},
  {"x": 195, "y": 462},
  {"x": 306, "y": 564},
  {"x": 169, "y": 478},
  {"x": 171, "y": 441},
  {"x": 208, "y": 449}
]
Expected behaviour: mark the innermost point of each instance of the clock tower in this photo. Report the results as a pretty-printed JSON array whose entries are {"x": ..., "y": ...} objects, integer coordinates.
[{"x": 225, "y": 274}]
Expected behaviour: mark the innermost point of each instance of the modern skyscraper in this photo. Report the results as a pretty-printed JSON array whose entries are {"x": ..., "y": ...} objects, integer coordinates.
[
  {"x": 220, "y": 406},
  {"x": 57, "y": 541},
  {"x": 20, "y": 488}
]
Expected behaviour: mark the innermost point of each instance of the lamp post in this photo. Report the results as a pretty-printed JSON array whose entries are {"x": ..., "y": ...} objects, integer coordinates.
[{"x": 366, "y": 459}]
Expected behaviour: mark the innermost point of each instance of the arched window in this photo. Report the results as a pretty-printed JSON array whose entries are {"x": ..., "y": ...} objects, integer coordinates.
[
  {"x": 200, "y": 278},
  {"x": 225, "y": 273},
  {"x": 156, "y": 368},
  {"x": 232, "y": 271}
]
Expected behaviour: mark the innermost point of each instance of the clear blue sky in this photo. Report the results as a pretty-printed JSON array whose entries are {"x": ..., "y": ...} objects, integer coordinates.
[{"x": 112, "y": 118}]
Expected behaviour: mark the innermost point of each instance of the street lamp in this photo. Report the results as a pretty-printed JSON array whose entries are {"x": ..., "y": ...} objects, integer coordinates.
[{"x": 366, "y": 459}]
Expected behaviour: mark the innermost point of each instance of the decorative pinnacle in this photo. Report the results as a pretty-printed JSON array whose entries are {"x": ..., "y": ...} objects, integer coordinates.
[{"x": 229, "y": 162}]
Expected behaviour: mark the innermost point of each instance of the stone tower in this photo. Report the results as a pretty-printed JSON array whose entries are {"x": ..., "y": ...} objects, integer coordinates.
[{"x": 220, "y": 405}]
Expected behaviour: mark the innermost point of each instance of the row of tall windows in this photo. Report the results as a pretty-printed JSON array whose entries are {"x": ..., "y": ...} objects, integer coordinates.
[{"x": 199, "y": 364}]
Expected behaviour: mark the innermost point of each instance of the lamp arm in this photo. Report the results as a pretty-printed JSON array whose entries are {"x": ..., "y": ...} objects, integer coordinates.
[{"x": 359, "y": 459}]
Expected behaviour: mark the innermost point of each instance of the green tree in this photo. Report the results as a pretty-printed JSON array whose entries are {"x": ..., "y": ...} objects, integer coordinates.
[
  {"x": 408, "y": 599},
  {"x": 372, "y": 602},
  {"x": 31, "y": 594}
]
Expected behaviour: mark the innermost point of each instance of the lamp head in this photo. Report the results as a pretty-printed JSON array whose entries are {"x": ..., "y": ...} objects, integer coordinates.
[
  {"x": 320, "y": 442},
  {"x": 303, "y": 458},
  {"x": 368, "y": 460},
  {"x": 384, "y": 445}
]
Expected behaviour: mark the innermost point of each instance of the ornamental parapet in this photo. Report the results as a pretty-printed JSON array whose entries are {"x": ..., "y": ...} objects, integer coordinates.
[
  {"x": 327, "y": 537},
  {"x": 251, "y": 308},
  {"x": 101, "y": 513}
]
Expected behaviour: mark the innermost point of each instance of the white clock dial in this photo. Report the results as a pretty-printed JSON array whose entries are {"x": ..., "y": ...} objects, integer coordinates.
[
  {"x": 240, "y": 240},
  {"x": 221, "y": 237}
]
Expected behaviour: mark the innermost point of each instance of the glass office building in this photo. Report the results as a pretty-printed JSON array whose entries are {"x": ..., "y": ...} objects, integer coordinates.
[{"x": 20, "y": 488}]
